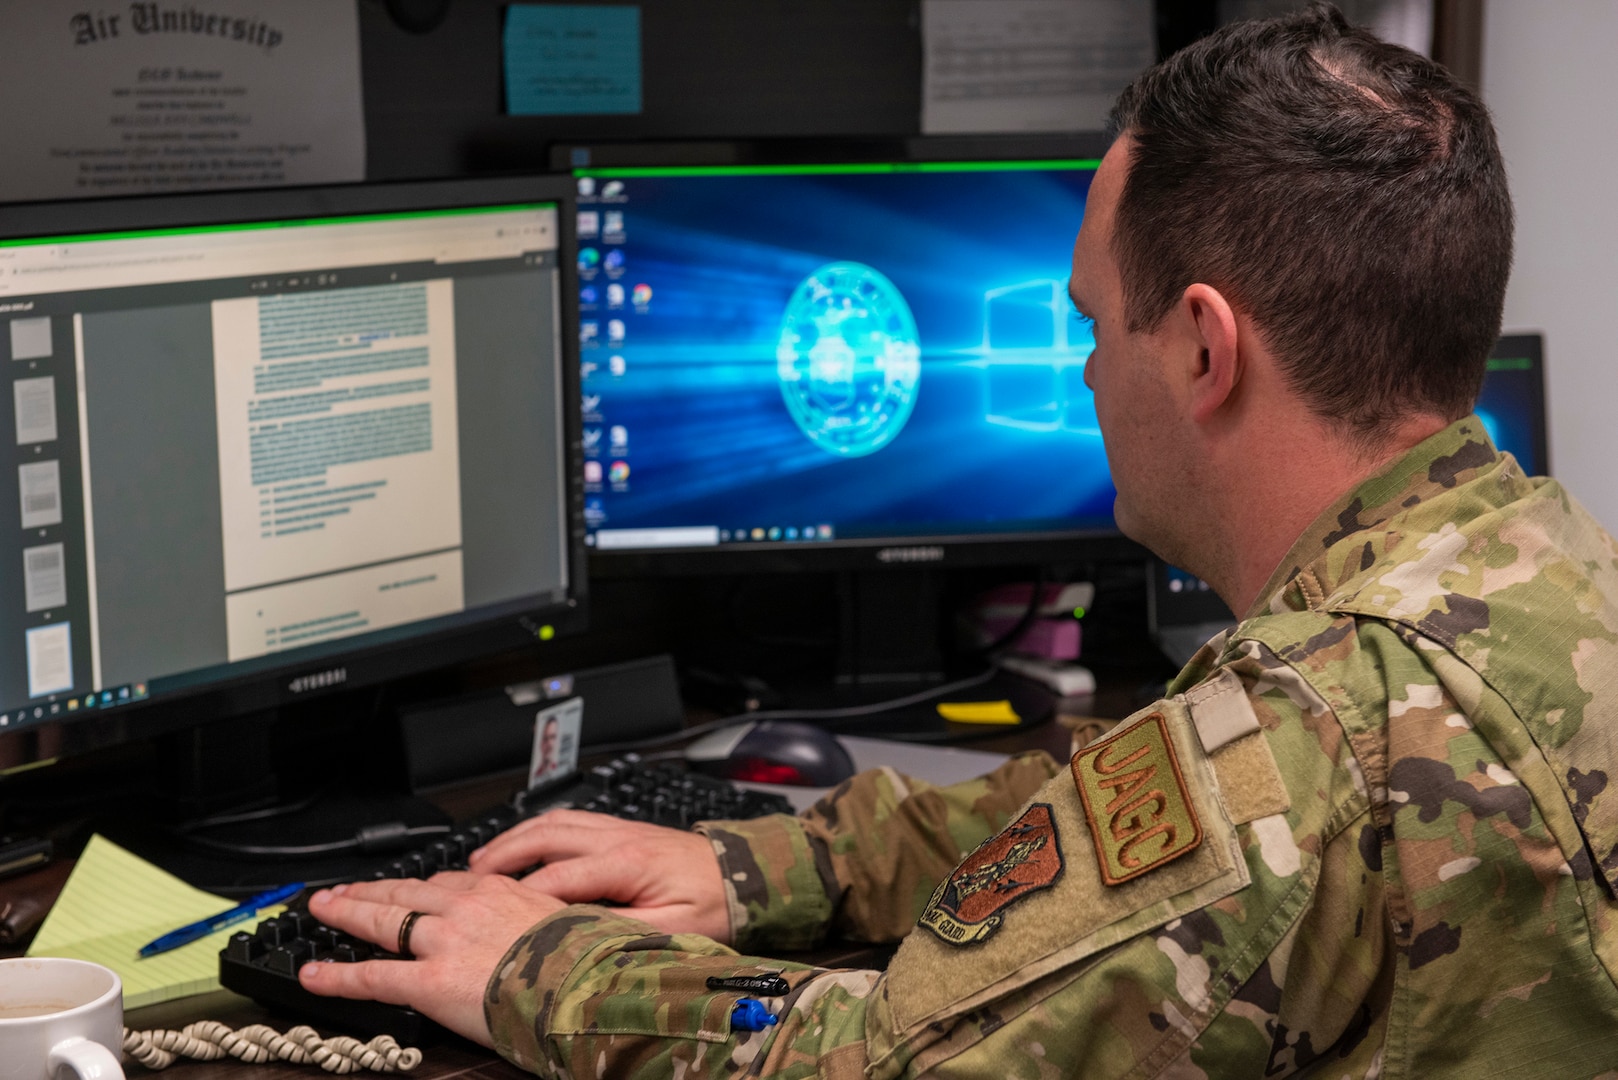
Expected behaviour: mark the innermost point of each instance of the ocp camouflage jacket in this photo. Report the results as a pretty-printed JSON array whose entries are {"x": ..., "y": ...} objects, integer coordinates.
[{"x": 1369, "y": 833}]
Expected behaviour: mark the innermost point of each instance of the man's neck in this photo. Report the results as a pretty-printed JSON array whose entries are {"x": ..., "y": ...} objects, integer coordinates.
[{"x": 1307, "y": 469}]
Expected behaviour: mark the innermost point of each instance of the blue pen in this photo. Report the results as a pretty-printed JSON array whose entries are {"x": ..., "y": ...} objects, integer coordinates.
[{"x": 185, "y": 935}]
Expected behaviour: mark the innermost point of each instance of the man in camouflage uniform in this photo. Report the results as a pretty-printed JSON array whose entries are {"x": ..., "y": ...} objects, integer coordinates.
[{"x": 1368, "y": 833}]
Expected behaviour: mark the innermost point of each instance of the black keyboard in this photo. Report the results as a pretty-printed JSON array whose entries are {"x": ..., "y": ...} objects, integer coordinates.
[{"x": 263, "y": 964}]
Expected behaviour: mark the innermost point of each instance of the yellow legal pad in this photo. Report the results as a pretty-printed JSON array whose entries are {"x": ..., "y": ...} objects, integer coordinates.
[
  {"x": 978, "y": 712},
  {"x": 114, "y": 903}
]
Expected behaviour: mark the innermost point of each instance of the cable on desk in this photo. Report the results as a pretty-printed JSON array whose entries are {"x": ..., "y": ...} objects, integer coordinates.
[
  {"x": 846, "y": 712},
  {"x": 372, "y": 839},
  {"x": 1036, "y": 596},
  {"x": 209, "y": 1040},
  {"x": 260, "y": 813}
]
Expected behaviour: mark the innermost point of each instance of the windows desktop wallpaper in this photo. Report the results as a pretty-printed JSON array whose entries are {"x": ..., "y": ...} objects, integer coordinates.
[{"x": 790, "y": 355}]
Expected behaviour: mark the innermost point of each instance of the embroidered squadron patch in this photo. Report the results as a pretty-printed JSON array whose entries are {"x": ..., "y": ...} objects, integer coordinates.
[
  {"x": 1023, "y": 859},
  {"x": 1135, "y": 797}
]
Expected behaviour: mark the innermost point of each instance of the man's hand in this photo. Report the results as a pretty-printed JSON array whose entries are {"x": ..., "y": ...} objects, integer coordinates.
[
  {"x": 666, "y": 877},
  {"x": 468, "y": 922}
]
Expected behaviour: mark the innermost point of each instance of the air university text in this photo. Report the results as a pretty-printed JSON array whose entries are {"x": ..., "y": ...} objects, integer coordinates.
[{"x": 152, "y": 18}]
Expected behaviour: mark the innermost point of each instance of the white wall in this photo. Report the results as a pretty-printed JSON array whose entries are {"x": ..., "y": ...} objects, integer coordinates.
[{"x": 1550, "y": 76}]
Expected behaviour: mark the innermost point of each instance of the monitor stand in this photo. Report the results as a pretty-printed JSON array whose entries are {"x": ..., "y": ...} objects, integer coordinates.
[
  {"x": 893, "y": 643},
  {"x": 889, "y": 631},
  {"x": 294, "y": 778},
  {"x": 218, "y": 767}
]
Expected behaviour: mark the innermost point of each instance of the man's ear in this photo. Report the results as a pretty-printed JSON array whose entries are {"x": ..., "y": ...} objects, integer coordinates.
[{"x": 1207, "y": 317}]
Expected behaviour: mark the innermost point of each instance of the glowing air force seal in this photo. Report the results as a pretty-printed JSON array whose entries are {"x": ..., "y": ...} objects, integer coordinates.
[{"x": 849, "y": 359}]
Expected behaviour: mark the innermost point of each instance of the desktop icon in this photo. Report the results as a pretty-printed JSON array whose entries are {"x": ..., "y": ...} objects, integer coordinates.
[
  {"x": 594, "y": 513},
  {"x": 619, "y": 436},
  {"x": 612, "y": 226},
  {"x": 614, "y": 260},
  {"x": 615, "y": 331},
  {"x": 592, "y": 439},
  {"x": 616, "y": 365},
  {"x": 587, "y": 186},
  {"x": 619, "y": 473},
  {"x": 589, "y": 223},
  {"x": 642, "y": 295},
  {"x": 589, "y": 332},
  {"x": 592, "y": 404},
  {"x": 589, "y": 258},
  {"x": 592, "y": 472},
  {"x": 589, "y": 295},
  {"x": 615, "y": 295},
  {"x": 587, "y": 369},
  {"x": 613, "y": 189}
]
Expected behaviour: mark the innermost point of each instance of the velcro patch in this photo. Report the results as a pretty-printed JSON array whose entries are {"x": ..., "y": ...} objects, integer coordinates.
[
  {"x": 1024, "y": 858},
  {"x": 1135, "y": 797}
]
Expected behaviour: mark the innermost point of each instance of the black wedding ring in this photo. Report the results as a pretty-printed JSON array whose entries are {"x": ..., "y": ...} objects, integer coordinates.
[{"x": 405, "y": 928}]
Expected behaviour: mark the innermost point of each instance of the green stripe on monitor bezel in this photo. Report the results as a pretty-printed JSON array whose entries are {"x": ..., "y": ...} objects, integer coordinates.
[
  {"x": 1510, "y": 363},
  {"x": 868, "y": 168},
  {"x": 289, "y": 223}
]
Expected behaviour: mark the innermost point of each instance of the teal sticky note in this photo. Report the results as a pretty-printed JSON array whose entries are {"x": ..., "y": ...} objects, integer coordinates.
[{"x": 572, "y": 59}]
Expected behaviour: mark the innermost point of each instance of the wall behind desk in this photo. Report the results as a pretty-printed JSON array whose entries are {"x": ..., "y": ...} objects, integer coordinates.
[
  {"x": 1550, "y": 80},
  {"x": 710, "y": 68}
]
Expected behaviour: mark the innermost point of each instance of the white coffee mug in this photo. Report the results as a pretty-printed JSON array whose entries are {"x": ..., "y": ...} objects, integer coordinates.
[{"x": 60, "y": 1019}]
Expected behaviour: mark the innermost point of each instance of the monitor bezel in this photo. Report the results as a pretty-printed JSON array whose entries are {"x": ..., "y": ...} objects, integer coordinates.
[
  {"x": 871, "y": 553},
  {"x": 509, "y": 626}
]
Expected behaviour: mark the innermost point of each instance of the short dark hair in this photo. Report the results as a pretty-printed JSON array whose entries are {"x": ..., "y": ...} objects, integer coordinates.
[{"x": 1347, "y": 193}]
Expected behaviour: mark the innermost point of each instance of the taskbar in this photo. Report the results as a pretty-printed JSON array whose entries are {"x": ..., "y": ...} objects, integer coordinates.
[
  {"x": 691, "y": 536},
  {"x": 96, "y": 700}
]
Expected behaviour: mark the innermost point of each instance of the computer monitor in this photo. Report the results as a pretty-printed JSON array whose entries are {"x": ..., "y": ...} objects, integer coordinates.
[
  {"x": 833, "y": 362},
  {"x": 1512, "y": 404},
  {"x": 263, "y": 445}
]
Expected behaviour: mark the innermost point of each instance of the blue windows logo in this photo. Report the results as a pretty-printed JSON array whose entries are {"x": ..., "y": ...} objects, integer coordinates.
[{"x": 849, "y": 359}]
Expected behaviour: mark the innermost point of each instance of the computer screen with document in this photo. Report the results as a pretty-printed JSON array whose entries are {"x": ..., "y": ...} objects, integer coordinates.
[{"x": 268, "y": 443}]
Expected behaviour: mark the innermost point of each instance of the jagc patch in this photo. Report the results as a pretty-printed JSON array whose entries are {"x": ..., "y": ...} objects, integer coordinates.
[
  {"x": 1135, "y": 797},
  {"x": 1024, "y": 858}
]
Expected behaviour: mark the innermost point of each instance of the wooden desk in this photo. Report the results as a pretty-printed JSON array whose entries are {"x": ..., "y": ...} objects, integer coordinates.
[{"x": 460, "y": 1058}]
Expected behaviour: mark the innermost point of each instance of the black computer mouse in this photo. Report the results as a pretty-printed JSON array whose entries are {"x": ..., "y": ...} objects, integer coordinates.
[{"x": 773, "y": 752}]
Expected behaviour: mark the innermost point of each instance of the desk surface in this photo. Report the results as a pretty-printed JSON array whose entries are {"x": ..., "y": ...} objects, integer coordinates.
[{"x": 459, "y": 1058}]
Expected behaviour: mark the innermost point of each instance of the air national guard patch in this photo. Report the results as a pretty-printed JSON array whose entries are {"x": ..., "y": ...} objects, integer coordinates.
[
  {"x": 1023, "y": 859},
  {"x": 1140, "y": 812}
]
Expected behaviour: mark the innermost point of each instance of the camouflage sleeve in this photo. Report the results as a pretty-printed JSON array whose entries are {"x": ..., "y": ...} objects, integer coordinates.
[
  {"x": 591, "y": 993},
  {"x": 1137, "y": 917},
  {"x": 863, "y": 860}
]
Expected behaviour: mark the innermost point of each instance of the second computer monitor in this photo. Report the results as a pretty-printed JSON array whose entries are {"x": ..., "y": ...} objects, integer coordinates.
[{"x": 823, "y": 357}]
